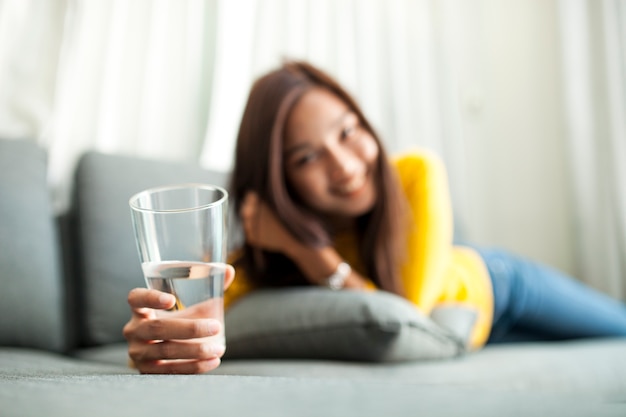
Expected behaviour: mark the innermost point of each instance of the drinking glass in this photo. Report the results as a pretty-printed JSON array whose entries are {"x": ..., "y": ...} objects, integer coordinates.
[{"x": 181, "y": 234}]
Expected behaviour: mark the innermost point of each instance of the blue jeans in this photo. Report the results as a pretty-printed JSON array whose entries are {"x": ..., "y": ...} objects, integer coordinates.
[{"x": 535, "y": 302}]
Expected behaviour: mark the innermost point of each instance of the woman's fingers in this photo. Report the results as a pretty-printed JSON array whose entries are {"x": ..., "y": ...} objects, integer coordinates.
[
  {"x": 249, "y": 205},
  {"x": 248, "y": 212},
  {"x": 261, "y": 225},
  {"x": 229, "y": 277},
  {"x": 178, "y": 367},
  {"x": 172, "y": 349},
  {"x": 141, "y": 298},
  {"x": 174, "y": 342},
  {"x": 152, "y": 350},
  {"x": 250, "y": 199},
  {"x": 254, "y": 213},
  {"x": 175, "y": 328}
]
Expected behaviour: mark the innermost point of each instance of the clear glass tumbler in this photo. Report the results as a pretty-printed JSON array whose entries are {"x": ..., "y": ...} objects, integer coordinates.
[{"x": 181, "y": 235}]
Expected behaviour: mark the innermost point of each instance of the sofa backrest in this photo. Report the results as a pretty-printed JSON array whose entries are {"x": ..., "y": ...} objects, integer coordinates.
[
  {"x": 64, "y": 280},
  {"x": 32, "y": 295},
  {"x": 104, "y": 245}
]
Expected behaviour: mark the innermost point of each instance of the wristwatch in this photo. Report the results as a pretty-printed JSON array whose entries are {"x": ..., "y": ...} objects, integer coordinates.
[{"x": 338, "y": 278}]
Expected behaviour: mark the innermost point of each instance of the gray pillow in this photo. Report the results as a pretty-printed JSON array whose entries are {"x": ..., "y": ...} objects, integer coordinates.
[
  {"x": 31, "y": 290},
  {"x": 317, "y": 323}
]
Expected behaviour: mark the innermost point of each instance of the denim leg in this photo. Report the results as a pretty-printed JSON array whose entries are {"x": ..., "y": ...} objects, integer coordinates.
[{"x": 536, "y": 302}]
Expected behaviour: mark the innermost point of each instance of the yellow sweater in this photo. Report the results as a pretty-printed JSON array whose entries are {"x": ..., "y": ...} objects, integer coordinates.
[{"x": 435, "y": 272}]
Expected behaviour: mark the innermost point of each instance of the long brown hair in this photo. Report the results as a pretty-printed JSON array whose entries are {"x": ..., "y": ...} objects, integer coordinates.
[{"x": 259, "y": 167}]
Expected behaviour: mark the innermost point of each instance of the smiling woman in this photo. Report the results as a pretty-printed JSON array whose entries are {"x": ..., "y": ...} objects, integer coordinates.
[
  {"x": 323, "y": 205},
  {"x": 314, "y": 170},
  {"x": 382, "y": 223}
]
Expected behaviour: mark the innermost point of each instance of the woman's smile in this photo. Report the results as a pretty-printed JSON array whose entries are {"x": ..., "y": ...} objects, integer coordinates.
[{"x": 351, "y": 188}]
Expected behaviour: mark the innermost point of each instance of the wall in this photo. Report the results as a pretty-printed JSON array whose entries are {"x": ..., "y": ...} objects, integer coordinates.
[{"x": 517, "y": 192}]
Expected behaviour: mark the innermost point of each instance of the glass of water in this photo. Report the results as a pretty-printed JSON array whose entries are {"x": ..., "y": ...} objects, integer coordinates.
[{"x": 181, "y": 235}]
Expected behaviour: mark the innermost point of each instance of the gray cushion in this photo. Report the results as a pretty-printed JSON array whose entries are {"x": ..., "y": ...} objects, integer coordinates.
[
  {"x": 31, "y": 295},
  {"x": 317, "y": 323},
  {"x": 32, "y": 384},
  {"x": 110, "y": 264}
]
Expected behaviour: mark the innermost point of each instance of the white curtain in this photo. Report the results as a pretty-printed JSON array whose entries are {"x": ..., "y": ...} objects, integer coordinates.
[
  {"x": 30, "y": 37},
  {"x": 384, "y": 52},
  {"x": 168, "y": 79},
  {"x": 129, "y": 77},
  {"x": 594, "y": 73}
]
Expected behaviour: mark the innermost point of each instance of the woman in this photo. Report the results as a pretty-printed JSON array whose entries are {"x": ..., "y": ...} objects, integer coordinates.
[{"x": 322, "y": 204}]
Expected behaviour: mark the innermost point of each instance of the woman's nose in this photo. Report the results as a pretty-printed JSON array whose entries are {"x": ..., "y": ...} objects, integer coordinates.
[{"x": 344, "y": 164}]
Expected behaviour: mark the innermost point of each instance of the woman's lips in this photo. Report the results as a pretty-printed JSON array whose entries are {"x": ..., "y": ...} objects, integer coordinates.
[{"x": 352, "y": 187}]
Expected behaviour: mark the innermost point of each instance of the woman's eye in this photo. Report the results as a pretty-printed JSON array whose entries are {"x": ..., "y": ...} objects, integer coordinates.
[
  {"x": 305, "y": 159},
  {"x": 348, "y": 132}
]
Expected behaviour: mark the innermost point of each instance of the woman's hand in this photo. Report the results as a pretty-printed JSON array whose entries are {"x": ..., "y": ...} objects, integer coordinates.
[
  {"x": 264, "y": 230},
  {"x": 262, "y": 227},
  {"x": 172, "y": 342}
]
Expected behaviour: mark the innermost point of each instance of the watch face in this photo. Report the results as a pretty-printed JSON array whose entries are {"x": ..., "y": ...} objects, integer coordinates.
[{"x": 337, "y": 280}]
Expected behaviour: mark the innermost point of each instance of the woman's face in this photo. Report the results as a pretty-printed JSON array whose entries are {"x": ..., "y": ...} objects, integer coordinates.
[{"x": 330, "y": 159}]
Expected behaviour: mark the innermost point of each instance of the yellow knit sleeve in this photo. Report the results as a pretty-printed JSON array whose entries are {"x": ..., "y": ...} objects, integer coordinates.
[{"x": 429, "y": 241}]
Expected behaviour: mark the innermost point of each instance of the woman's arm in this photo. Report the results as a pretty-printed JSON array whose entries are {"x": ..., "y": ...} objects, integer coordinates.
[
  {"x": 319, "y": 264},
  {"x": 429, "y": 241},
  {"x": 263, "y": 229}
]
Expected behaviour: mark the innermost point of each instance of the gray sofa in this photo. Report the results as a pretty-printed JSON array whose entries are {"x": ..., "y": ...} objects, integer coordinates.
[{"x": 297, "y": 352}]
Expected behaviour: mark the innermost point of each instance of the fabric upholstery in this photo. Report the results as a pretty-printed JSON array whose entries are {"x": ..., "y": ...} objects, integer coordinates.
[
  {"x": 317, "y": 323},
  {"x": 592, "y": 366},
  {"x": 59, "y": 387},
  {"x": 31, "y": 291},
  {"x": 577, "y": 378}
]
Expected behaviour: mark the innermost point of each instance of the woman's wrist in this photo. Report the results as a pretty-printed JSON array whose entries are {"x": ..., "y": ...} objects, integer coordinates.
[
  {"x": 324, "y": 266},
  {"x": 317, "y": 264}
]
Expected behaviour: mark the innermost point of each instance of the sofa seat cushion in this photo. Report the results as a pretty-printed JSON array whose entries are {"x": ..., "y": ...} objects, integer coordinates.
[
  {"x": 588, "y": 369},
  {"x": 591, "y": 366},
  {"x": 87, "y": 389}
]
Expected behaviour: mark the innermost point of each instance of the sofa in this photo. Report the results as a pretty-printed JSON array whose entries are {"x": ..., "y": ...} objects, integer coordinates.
[{"x": 290, "y": 352}]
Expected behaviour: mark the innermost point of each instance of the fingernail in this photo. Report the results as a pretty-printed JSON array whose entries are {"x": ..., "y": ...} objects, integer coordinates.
[
  {"x": 213, "y": 327},
  {"x": 219, "y": 350},
  {"x": 165, "y": 298}
]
